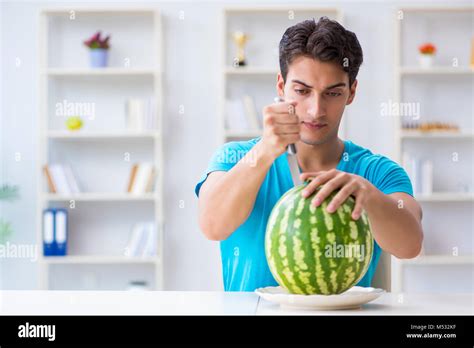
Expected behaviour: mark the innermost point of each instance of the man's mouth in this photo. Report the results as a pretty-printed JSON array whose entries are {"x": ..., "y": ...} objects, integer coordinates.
[{"x": 314, "y": 125}]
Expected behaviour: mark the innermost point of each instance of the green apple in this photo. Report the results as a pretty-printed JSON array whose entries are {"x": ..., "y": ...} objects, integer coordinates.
[{"x": 74, "y": 123}]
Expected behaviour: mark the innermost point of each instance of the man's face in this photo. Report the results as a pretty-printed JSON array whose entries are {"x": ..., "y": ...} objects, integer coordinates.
[{"x": 321, "y": 90}]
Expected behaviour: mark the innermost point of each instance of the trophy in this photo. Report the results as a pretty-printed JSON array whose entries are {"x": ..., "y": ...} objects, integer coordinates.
[{"x": 240, "y": 38}]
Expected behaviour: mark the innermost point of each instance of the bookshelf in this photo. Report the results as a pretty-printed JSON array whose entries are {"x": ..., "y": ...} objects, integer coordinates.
[
  {"x": 102, "y": 153},
  {"x": 265, "y": 26},
  {"x": 442, "y": 92}
]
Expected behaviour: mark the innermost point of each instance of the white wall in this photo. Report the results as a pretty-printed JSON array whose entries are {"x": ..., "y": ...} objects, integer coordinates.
[{"x": 191, "y": 79}]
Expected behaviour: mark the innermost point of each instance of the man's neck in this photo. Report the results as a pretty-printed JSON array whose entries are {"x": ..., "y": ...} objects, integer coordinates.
[{"x": 312, "y": 158}]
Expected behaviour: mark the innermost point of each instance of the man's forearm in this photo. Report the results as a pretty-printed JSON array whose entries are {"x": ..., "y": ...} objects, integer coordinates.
[
  {"x": 230, "y": 200},
  {"x": 394, "y": 227}
]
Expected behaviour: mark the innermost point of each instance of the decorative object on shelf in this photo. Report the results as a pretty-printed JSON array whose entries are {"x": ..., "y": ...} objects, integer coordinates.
[
  {"x": 431, "y": 127},
  {"x": 138, "y": 285},
  {"x": 240, "y": 39},
  {"x": 98, "y": 50},
  {"x": 74, "y": 123},
  {"x": 426, "y": 57},
  {"x": 7, "y": 193}
]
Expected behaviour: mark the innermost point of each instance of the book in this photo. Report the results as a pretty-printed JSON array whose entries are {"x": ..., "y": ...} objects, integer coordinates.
[
  {"x": 140, "y": 114},
  {"x": 61, "y": 179},
  {"x": 132, "y": 177},
  {"x": 235, "y": 116},
  {"x": 71, "y": 179},
  {"x": 151, "y": 240},
  {"x": 135, "y": 242},
  {"x": 58, "y": 175},
  {"x": 49, "y": 179},
  {"x": 142, "y": 241},
  {"x": 251, "y": 112},
  {"x": 141, "y": 178}
]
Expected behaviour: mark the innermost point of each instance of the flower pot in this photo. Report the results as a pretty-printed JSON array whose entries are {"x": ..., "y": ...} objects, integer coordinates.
[
  {"x": 98, "y": 57},
  {"x": 426, "y": 60}
]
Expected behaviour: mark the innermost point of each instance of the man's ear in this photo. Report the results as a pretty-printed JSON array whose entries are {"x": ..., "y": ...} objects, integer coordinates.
[
  {"x": 352, "y": 92},
  {"x": 280, "y": 86}
]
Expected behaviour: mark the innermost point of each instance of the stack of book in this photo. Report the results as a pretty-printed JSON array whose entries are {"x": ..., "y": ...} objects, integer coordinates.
[
  {"x": 140, "y": 114},
  {"x": 61, "y": 179},
  {"x": 142, "y": 178},
  {"x": 420, "y": 172},
  {"x": 143, "y": 240},
  {"x": 242, "y": 114}
]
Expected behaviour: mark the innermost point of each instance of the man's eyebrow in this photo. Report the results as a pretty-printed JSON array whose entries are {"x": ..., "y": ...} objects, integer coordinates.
[
  {"x": 302, "y": 83},
  {"x": 340, "y": 84}
]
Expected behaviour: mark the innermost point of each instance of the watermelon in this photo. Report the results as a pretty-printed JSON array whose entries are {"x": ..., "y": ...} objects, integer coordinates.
[{"x": 311, "y": 251}]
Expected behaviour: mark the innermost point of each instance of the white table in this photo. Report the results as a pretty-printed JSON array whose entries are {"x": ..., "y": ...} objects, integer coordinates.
[{"x": 14, "y": 302}]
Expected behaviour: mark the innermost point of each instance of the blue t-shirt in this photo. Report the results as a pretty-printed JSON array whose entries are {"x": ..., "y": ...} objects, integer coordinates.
[{"x": 244, "y": 265}]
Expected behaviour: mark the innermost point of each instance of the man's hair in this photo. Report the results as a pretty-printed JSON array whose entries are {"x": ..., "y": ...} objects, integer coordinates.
[{"x": 325, "y": 40}]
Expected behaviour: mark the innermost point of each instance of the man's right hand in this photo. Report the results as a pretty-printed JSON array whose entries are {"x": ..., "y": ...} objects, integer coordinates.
[{"x": 280, "y": 127}]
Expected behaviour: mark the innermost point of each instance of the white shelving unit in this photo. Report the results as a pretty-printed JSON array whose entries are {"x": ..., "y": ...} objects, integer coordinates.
[
  {"x": 445, "y": 209},
  {"x": 265, "y": 25},
  {"x": 101, "y": 219}
]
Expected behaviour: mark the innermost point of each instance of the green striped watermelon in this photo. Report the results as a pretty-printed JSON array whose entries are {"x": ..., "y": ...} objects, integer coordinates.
[{"x": 311, "y": 251}]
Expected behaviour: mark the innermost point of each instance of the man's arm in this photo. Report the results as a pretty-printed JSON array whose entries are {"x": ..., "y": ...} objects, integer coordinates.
[
  {"x": 395, "y": 219},
  {"x": 396, "y": 222},
  {"x": 226, "y": 199}
]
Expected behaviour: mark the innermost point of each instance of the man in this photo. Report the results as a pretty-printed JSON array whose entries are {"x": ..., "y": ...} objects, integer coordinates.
[{"x": 319, "y": 62}]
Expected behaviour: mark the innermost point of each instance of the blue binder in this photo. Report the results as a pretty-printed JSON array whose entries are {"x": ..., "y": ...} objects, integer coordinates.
[
  {"x": 55, "y": 232},
  {"x": 60, "y": 232},
  {"x": 48, "y": 232}
]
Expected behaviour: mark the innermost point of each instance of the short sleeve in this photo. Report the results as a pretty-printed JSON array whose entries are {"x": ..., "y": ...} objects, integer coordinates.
[
  {"x": 224, "y": 159},
  {"x": 389, "y": 177}
]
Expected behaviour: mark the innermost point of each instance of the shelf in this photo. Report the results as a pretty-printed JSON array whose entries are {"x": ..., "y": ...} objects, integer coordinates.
[
  {"x": 99, "y": 259},
  {"x": 97, "y": 10},
  {"x": 446, "y": 197},
  {"x": 59, "y": 134},
  {"x": 250, "y": 71},
  {"x": 84, "y": 72},
  {"x": 278, "y": 8},
  {"x": 243, "y": 134},
  {"x": 436, "y": 135},
  {"x": 436, "y": 70},
  {"x": 439, "y": 260},
  {"x": 99, "y": 197}
]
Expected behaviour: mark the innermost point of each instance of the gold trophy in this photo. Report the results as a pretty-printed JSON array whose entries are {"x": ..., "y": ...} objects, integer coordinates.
[{"x": 240, "y": 39}]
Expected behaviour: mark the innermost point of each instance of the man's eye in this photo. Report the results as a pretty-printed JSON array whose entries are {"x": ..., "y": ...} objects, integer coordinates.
[
  {"x": 301, "y": 91},
  {"x": 333, "y": 94}
]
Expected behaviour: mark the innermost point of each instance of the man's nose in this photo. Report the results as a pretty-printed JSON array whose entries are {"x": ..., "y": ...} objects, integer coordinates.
[{"x": 315, "y": 106}]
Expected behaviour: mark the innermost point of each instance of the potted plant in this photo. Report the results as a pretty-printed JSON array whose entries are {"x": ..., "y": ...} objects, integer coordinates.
[
  {"x": 427, "y": 52},
  {"x": 98, "y": 49},
  {"x": 7, "y": 193}
]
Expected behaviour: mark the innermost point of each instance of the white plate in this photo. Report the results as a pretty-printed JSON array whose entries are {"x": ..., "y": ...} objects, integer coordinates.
[{"x": 350, "y": 299}]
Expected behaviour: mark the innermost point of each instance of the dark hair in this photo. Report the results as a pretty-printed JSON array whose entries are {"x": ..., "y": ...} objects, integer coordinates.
[{"x": 325, "y": 40}]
